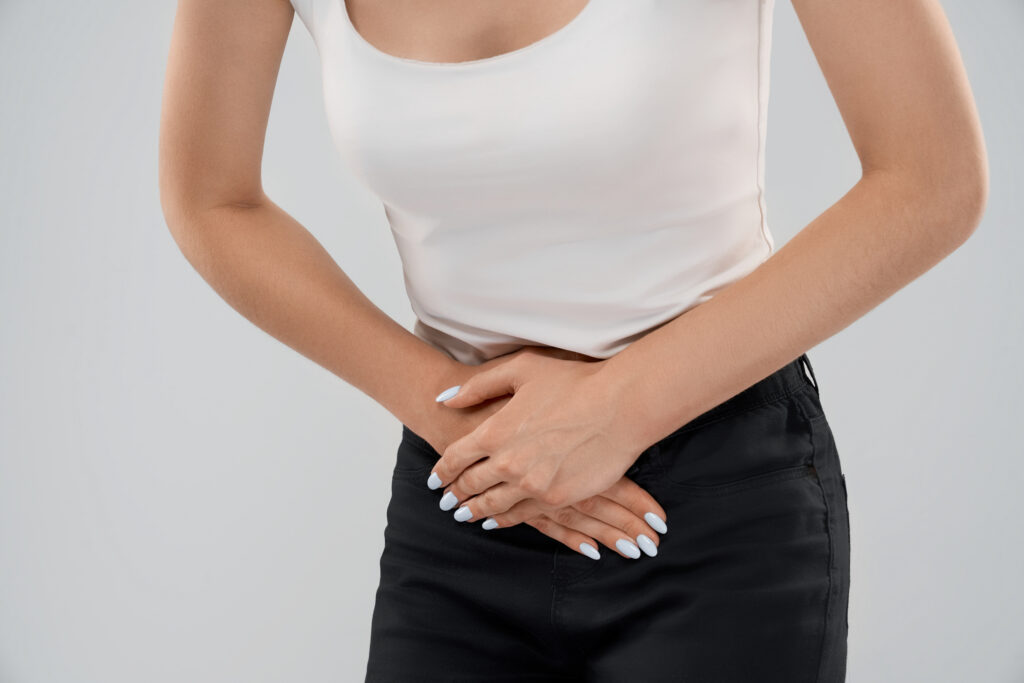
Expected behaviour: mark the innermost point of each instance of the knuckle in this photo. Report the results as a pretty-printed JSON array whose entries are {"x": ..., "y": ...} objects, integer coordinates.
[
  {"x": 533, "y": 487},
  {"x": 637, "y": 502},
  {"x": 452, "y": 449},
  {"x": 486, "y": 437},
  {"x": 524, "y": 362},
  {"x": 642, "y": 502},
  {"x": 505, "y": 468},
  {"x": 564, "y": 516},
  {"x": 443, "y": 465},
  {"x": 634, "y": 528},
  {"x": 631, "y": 496},
  {"x": 468, "y": 481},
  {"x": 524, "y": 356},
  {"x": 588, "y": 505},
  {"x": 554, "y": 496},
  {"x": 479, "y": 506},
  {"x": 541, "y": 523}
]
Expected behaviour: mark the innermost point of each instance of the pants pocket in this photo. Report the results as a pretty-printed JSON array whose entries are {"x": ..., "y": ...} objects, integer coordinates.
[{"x": 767, "y": 444}]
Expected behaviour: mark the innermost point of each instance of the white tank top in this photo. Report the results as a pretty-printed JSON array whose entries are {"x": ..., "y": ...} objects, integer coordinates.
[{"x": 577, "y": 192}]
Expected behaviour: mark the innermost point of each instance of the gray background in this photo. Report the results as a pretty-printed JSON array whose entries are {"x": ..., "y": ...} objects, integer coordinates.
[{"x": 183, "y": 498}]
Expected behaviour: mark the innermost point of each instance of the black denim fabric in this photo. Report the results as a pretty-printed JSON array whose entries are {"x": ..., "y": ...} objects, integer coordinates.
[{"x": 750, "y": 584}]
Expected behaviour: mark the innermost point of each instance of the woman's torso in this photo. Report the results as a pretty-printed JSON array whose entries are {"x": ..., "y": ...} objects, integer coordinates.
[{"x": 573, "y": 182}]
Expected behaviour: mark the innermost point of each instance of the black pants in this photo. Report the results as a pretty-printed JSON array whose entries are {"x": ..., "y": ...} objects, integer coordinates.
[{"x": 750, "y": 583}]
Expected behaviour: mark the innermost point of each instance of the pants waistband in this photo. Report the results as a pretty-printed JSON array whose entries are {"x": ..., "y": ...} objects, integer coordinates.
[{"x": 791, "y": 377}]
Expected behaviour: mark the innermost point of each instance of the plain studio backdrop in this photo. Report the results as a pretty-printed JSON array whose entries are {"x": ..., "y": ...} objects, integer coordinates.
[{"x": 184, "y": 498}]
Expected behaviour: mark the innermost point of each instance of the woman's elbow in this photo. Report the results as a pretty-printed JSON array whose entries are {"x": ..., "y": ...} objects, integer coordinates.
[
  {"x": 974, "y": 197},
  {"x": 963, "y": 191},
  {"x": 949, "y": 197},
  {"x": 963, "y": 201}
]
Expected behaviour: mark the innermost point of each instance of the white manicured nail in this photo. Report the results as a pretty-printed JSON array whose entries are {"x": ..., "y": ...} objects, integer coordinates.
[
  {"x": 434, "y": 482},
  {"x": 463, "y": 513},
  {"x": 448, "y": 501},
  {"x": 647, "y": 545},
  {"x": 590, "y": 551},
  {"x": 448, "y": 393},
  {"x": 489, "y": 523},
  {"x": 656, "y": 522},
  {"x": 627, "y": 548}
]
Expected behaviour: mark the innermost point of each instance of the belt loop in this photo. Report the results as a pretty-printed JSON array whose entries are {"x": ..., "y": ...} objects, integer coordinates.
[{"x": 810, "y": 371}]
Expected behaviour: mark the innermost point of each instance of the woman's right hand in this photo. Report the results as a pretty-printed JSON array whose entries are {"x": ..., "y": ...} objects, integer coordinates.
[{"x": 614, "y": 518}]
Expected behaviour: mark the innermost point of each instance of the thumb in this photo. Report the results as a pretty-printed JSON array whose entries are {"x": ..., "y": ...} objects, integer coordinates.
[{"x": 497, "y": 381}]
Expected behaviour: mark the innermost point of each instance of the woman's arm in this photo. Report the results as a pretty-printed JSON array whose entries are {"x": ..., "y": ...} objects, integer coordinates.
[
  {"x": 221, "y": 74},
  {"x": 897, "y": 77}
]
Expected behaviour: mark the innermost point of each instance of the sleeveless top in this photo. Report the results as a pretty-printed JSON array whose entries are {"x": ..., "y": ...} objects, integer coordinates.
[{"x": 577, "y": 192}]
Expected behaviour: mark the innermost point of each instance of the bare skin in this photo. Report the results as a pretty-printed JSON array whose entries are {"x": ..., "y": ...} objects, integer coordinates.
[
  {"x": 222, "y": 71},
  {"x": 457, "y": 30}
]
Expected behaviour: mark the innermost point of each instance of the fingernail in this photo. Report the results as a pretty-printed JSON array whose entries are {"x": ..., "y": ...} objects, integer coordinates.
[
  {"x": 434, "y": 482},
  {"x": 448, "y": 501},
  {"x": 489, "y": 523},
  {"x": 462, "y": 514},
  {"x": 647, "y": 545},
  {"x": 448, "y": 393},
  {"x": 656, "y": 522},
  {"x": 627, "y": 548},
  {"x": 590, "y": 551}
]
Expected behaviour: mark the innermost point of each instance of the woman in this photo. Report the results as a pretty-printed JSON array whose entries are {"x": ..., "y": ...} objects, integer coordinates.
[{"x": 613, "y": 342}]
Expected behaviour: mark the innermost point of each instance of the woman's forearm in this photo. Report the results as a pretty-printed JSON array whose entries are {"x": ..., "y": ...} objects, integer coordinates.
[
  {"x": 273, "y": 271},
  {"x": 885, "y": 232}
]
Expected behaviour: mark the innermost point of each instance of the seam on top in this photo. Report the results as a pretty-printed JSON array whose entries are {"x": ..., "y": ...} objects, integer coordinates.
[{"x": 759, "y": 157}]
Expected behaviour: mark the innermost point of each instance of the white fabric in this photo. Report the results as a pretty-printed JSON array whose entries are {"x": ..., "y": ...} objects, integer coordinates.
[{"x": 577, "y": 192}]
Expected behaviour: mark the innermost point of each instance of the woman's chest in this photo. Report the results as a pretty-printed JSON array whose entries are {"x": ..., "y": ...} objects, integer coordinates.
[{"x": 624, "y": 87}]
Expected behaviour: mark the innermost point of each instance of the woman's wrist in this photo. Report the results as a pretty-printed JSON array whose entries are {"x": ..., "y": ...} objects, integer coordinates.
[
  {"x": 633, "y": 400},
  {"x": 429, "y": 417}
]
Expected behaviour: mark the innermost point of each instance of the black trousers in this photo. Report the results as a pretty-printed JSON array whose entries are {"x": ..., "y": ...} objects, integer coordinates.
[{"x": 750, "y": 583}]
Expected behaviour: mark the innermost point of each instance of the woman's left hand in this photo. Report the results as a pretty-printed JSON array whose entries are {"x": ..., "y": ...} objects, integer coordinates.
[{"x": 557, "y": 441}]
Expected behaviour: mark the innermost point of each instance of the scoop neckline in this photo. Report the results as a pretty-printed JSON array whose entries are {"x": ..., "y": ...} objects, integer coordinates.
[{"x": 511, "y": 55}]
